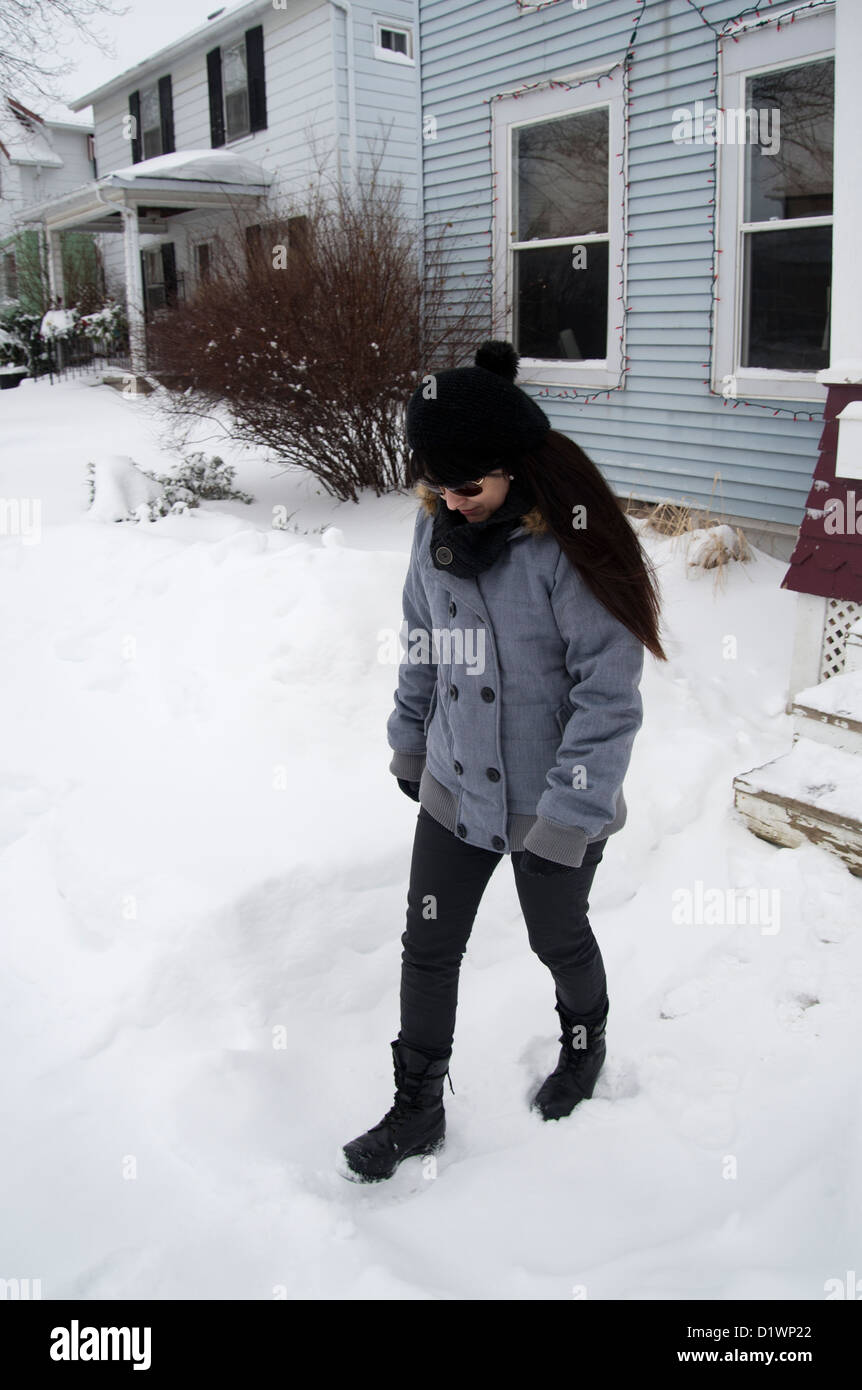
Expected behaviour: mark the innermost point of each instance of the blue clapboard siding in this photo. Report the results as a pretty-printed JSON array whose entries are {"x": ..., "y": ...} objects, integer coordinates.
[
  {"x": 665, "y": 435},
  {"x": 387, "y": 100}
]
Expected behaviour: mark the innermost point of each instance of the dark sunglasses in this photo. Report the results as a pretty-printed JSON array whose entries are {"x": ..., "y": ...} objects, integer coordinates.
[{"x": 466, "y": 489}]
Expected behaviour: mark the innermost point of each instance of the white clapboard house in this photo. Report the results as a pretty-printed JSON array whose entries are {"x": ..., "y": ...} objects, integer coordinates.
[{"x": 245, "y": 108}]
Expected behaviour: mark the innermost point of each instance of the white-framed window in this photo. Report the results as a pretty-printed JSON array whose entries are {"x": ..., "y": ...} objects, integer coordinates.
[
  {"x": 393, "y": 42},
  {"x": 558, "y": 231},
  {"x": 774, "y": 147},
  {"x": 151, "y": 122},
  {"x": 237, "y": 115}
]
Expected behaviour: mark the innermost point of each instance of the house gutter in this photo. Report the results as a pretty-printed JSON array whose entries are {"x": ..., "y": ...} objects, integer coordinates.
[
  {"x": 212, "y": 32},
  {"x": 420, "y": 169},
  {"x": 347, "y": 9}
]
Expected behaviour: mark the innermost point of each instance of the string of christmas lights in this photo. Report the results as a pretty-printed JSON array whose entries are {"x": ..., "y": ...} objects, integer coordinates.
[
  {"x": 753, "y": 16},
  {"x": 624, "y": 64}
]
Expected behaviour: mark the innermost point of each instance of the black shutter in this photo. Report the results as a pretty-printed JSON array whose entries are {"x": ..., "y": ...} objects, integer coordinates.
[
  {"x": 135, "y": 113},
  {"x": 169, "y": 270},
  {"x": 166, "y": 114},
  {"x": 216, "y": 102},
  {"x": 256, "y": 78}
]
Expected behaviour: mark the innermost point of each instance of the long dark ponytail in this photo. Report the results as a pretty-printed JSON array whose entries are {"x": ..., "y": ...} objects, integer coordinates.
[{"x": 599, "y": 540}]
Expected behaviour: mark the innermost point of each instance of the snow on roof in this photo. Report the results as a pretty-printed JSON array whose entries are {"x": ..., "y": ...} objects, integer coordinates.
[
  {"x": 206, "y": 166},
  {"x": 26, "y": 141}
]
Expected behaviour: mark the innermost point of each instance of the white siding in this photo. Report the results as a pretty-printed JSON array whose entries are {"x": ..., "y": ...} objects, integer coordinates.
[{"x": 306, "y": 65}]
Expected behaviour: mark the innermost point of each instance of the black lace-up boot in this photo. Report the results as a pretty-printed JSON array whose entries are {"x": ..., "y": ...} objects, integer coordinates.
[
  {"x": 582, "y": 1057},
  {"x": 415, "y": 1124}
]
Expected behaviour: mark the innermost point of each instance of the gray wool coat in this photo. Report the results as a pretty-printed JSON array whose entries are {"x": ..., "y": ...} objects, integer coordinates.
[{"x": 518, "y": 698}]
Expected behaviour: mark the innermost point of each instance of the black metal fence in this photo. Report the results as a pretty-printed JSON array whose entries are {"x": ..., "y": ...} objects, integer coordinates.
[{"x": 74, "y": 357}]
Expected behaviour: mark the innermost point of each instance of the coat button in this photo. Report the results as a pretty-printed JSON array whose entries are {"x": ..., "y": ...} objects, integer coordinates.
[
  {"x": 462, "y": 829},
  {"x": 453, "y": 609},
  {"x": 444, "y": 554},
  {"x": 487, "y": 694},
  {"x": 453, "y": 691},
  {"x": 458, "y": 768},
  {"x": 498, "y": 842},
  {"x": 492, "y": 774}
]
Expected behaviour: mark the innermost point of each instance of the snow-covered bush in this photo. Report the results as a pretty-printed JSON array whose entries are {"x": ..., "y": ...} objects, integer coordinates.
[
  {"x": 200, "y": 479},
  {"x": 106, "y": 326},
  {"x": 20, "y": 342},
  {"x": 313, "y": 337},
  {"x": 121, "y": 491},
  {"x": 59, "y": 324},
  {"x": 711, "y": 547}
]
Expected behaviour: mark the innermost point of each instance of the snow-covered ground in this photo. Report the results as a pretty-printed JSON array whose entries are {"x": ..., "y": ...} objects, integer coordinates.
[{"x": 203, "y": 871}]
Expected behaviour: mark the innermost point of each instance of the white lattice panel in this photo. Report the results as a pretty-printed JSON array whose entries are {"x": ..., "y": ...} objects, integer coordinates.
[{"x": 840, "y": 615}]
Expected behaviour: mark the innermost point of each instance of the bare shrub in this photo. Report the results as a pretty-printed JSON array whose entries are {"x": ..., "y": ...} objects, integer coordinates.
[{"x": 313, "y": 329}]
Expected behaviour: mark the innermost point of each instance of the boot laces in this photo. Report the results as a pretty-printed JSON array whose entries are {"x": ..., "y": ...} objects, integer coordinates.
[{"x": 405, "y": 1105}]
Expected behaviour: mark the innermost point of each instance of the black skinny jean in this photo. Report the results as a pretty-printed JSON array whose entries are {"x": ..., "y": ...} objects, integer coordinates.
[{"x": 447, "y": 880}]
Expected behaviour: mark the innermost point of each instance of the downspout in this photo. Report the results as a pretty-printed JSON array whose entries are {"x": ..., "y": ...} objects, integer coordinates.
[
  {"x": 420, "y": 175},
  {"x": 351, "y": 86}
]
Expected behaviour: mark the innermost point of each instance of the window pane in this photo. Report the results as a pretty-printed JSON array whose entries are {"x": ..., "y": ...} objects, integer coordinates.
[
  {"x": 233, "y": 70},
  {"x": 562, "y": 312},
  {"x": 154, "y": 280},
  {"x": 798, "y": 106},
  {"x": 236, "y": 114},
  {"x": 149, "y": 108},
  {"x": 561, "y": 169},
  {"x": 152, "y": 143},
  {"x": 787, "y": 287},
  {"x": 394, "y": 39}
]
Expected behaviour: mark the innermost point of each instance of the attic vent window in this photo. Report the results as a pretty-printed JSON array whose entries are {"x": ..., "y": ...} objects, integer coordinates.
[{"x": 393, "y": 44}]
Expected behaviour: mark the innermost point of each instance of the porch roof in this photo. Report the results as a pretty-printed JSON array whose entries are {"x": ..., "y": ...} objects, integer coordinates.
[{"x": 166, "y": 185}]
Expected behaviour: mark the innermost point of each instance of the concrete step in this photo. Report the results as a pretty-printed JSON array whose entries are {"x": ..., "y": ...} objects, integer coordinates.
[{"x": 831, "y": 712}]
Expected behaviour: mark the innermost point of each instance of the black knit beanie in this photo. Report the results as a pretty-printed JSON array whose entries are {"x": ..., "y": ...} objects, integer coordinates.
[{"x": 467, "y": 420}]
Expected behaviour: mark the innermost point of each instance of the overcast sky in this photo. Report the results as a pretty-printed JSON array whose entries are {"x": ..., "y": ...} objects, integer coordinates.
[{"x": 147, "y": 26}]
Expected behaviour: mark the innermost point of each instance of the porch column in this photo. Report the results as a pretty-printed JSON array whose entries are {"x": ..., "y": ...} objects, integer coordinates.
[
  {"x": 134, "y": 290},
  {"x": 846, "y": 344},
  {"x": 56, "y": 282}
]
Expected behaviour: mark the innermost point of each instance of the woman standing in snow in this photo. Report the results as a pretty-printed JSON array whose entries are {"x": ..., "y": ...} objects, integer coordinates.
[{"x": 515, "y": 730}]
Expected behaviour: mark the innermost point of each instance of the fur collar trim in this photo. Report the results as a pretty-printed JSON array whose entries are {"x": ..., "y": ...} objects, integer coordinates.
[{"x": 533, "y": 521}]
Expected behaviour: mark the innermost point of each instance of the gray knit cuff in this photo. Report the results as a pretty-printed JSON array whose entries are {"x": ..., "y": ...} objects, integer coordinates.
[
  {"x": 408, "y": 766},
  {"x": 564, "y": 844}
]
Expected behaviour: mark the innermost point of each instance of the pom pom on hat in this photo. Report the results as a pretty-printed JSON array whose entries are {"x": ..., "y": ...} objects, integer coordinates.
[
  {"x": 499, "y": 357},
  {"x": 474, "y": 417}
]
